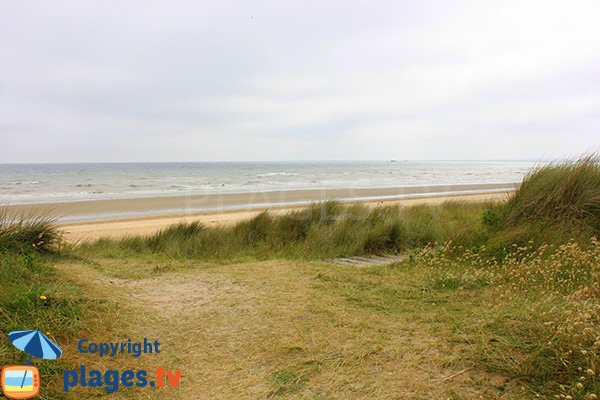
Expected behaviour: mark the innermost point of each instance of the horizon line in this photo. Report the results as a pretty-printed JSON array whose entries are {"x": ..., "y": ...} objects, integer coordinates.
[{"x": 293, "y": 161}]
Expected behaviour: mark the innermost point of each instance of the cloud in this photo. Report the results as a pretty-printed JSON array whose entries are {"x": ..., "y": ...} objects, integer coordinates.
[{"x": 151, "y": 81}]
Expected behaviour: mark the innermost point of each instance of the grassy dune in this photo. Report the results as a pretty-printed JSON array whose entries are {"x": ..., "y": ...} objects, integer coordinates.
[{"x": 504, "y": 298}]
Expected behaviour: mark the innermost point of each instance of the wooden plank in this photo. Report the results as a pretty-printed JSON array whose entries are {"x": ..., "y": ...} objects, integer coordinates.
[{"x": 374, "y": 260}]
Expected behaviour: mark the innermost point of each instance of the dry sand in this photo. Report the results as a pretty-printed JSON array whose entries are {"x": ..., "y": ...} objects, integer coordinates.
[{"x": 147, "y": 225}]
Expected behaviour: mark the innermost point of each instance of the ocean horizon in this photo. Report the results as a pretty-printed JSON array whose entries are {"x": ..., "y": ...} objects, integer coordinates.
[{"x": 68, "y": 182}]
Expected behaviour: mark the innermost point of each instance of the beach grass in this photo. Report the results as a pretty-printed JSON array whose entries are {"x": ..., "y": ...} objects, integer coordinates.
[
  {"x": 555, "y": 203},
  {"x": 32, "y": 295},
  {"x": 31, "y": 232},
  {"x": 321, "y": 231}
]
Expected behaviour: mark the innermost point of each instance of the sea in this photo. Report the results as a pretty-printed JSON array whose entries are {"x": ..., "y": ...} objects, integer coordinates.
[{"x": 51, "y": 183}]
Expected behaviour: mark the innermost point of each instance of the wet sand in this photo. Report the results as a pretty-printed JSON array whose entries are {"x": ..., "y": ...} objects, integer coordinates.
[{"x": 98, "y": 210}]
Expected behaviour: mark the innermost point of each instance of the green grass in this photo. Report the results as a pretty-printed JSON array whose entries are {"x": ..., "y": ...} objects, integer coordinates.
[
  {"x": 26, "y": 275},
  {"x": 559, "y": 194},
  {"x": 322, "y": 231},
  {"x": 24, "y": 233},
  {"x": 554, "y": 204}
]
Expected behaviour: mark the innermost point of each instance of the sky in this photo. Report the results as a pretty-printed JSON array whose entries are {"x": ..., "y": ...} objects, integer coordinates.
[{"x": 114, "y": 81}]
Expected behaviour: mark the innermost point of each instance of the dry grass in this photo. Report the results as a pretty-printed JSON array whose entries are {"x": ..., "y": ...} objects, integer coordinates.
[
  {"x": 289, "y": 330},
  {"x": 542, "y": 325}
]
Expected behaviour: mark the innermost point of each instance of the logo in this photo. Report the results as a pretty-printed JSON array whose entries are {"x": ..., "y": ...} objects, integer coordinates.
[
  {"x": 23, "y": 381},
  {"x": 113, "y": 380},
  {"x": 20, "y": 382}
]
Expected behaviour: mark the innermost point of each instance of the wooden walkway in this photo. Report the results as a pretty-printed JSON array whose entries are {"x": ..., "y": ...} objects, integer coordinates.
[{"x": 368, "y": 261}]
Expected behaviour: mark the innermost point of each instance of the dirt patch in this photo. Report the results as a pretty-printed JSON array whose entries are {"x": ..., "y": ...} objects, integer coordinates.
[{"x": 176, "y": 294}]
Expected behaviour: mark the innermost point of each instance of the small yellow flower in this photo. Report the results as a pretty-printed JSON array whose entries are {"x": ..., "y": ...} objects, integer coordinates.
[
  {"x": 579, "y": 386},
  {"x": 42, "y": 297},
  {"x": 591, "y": 372}
]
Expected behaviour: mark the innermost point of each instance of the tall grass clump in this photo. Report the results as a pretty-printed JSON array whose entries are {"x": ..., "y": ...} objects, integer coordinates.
[
  {"x": 559, "y": 193},
  {"x": 553, "y": 204},
  {"x": 28, "y": 232},
  {"x": 173, "y": 235}
]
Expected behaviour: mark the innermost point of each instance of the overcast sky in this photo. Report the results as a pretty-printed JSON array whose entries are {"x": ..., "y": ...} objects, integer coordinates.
[{"x": 298, "y": 80}]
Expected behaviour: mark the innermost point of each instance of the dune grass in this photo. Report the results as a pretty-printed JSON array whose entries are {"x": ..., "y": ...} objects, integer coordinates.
[
  {"x": 558, "y": 194},
  {"x": 24, "y": 233},
  {"x": 554, "y": 204},
  {"x": 321, "y": 231},
  {"x": 32, "y": 295}
]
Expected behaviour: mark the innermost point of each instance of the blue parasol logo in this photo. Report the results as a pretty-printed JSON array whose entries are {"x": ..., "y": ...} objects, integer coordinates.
[
  {"x": 35, "y": 344},
  {"x": 23, "y": 382}
]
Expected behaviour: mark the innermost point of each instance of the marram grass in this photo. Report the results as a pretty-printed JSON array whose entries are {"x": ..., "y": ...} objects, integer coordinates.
[
  {"x": 322, "y": 231},
  {"x": 28, "y": 232}
]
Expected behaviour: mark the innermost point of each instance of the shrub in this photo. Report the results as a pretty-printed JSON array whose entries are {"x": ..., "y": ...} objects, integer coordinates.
[{"x": 489, "y": 217}]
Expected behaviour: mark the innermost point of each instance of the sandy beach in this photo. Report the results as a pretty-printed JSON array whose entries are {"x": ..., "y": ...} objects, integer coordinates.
[
  {"x": 86, "y": 231},
  {"x": 89, "y": 220}
]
